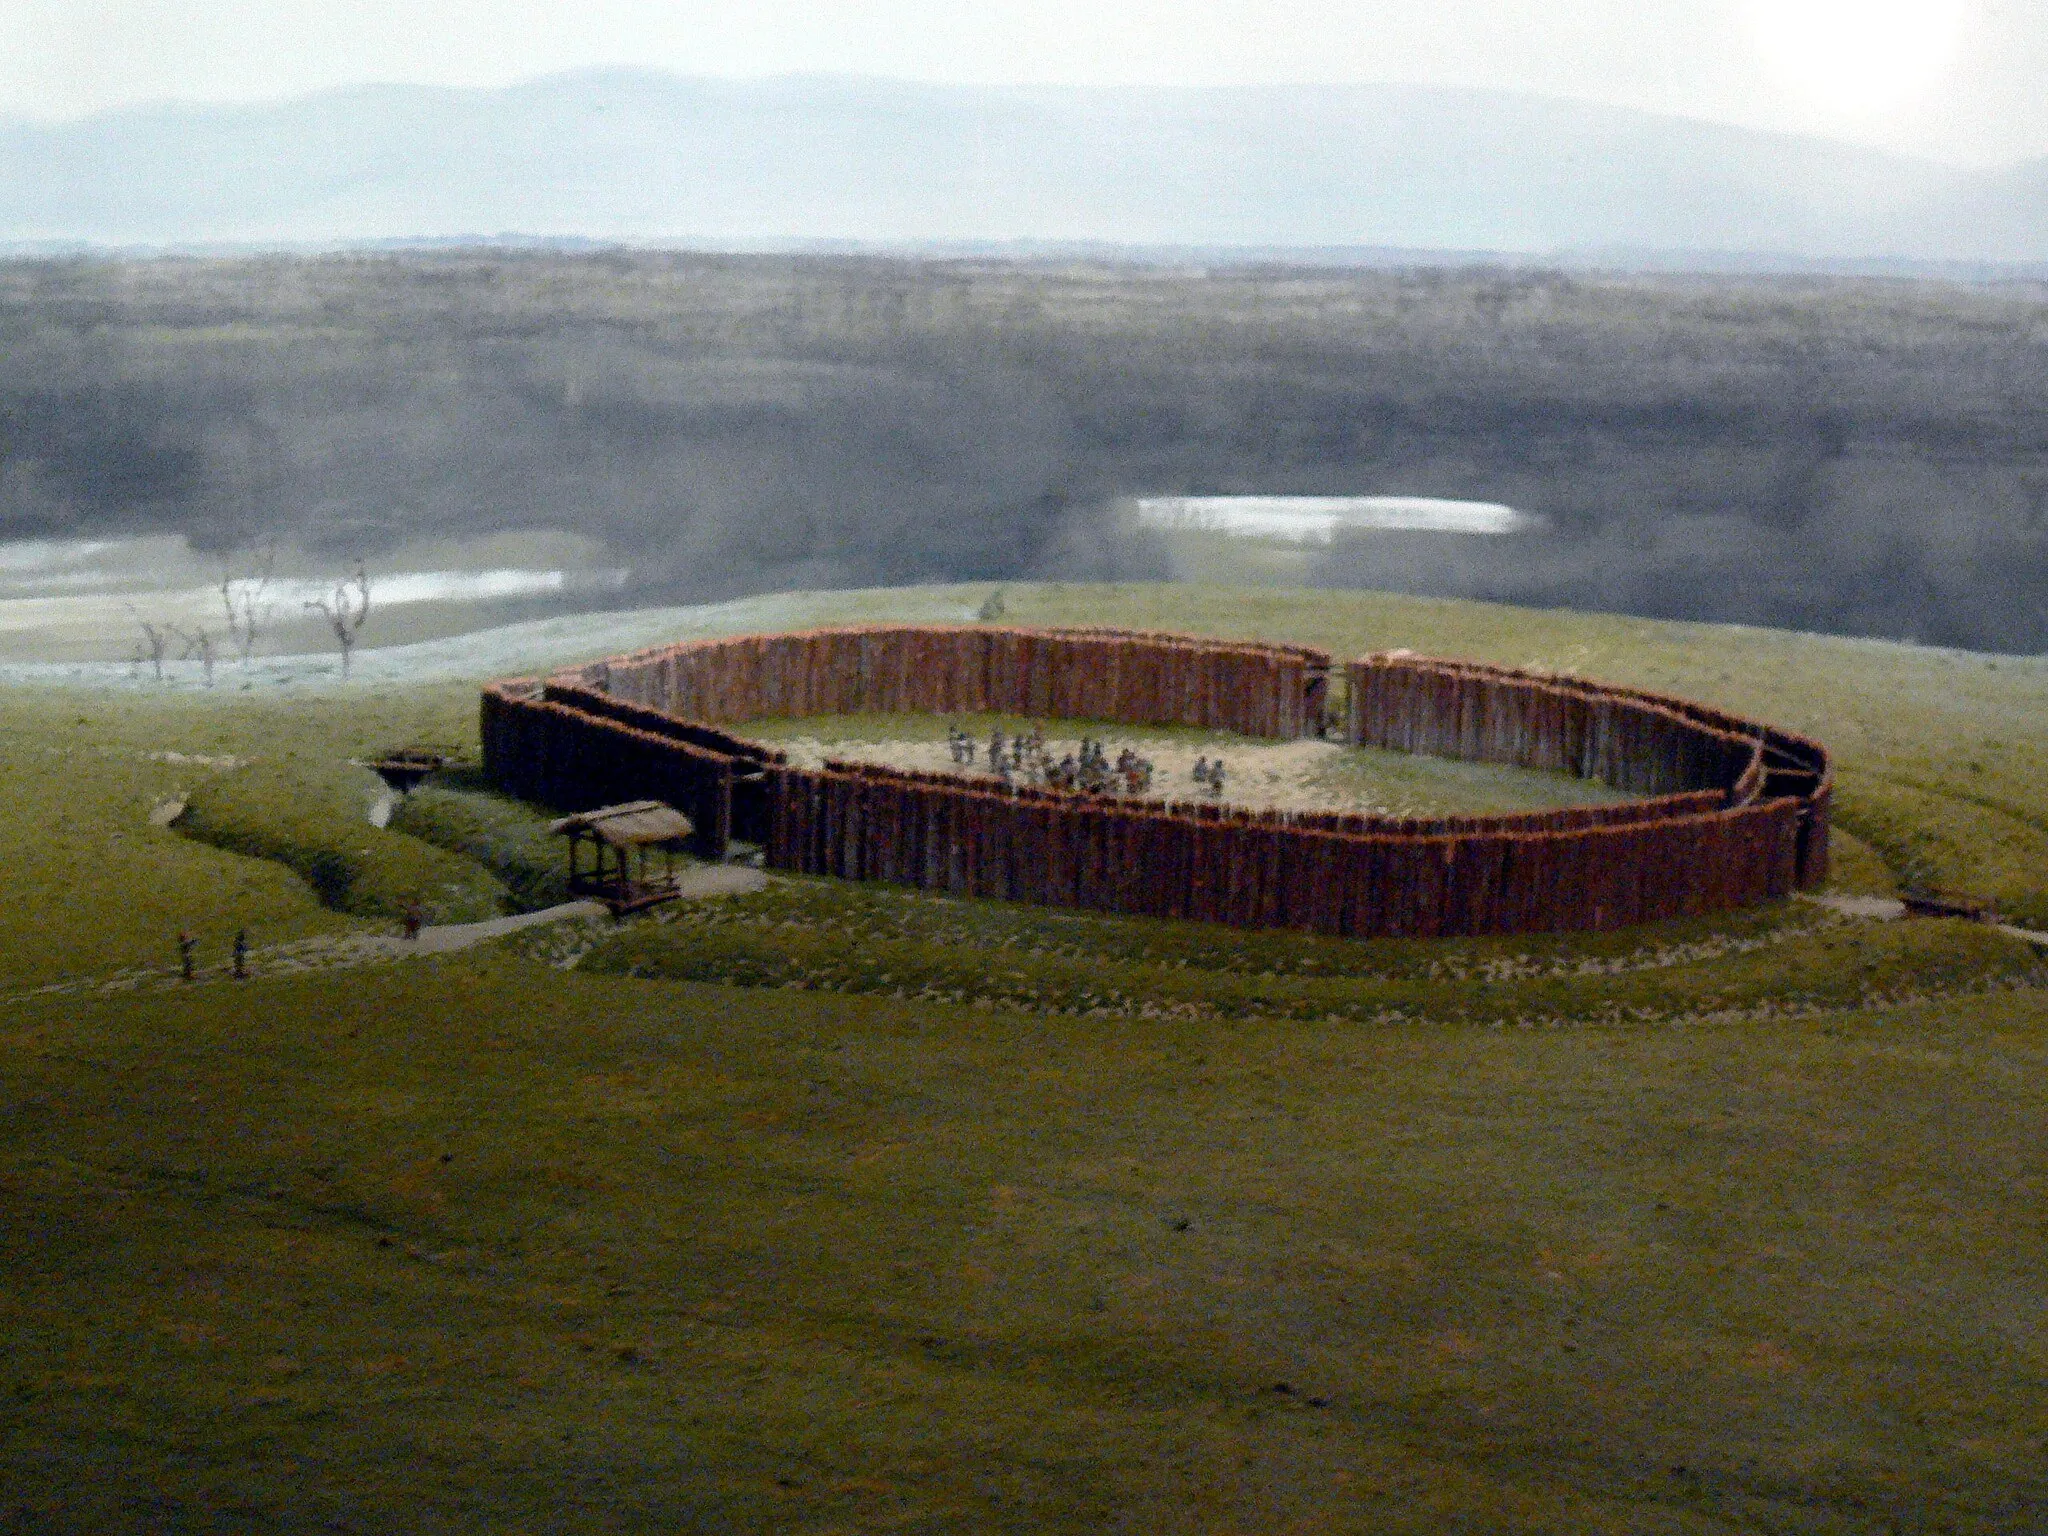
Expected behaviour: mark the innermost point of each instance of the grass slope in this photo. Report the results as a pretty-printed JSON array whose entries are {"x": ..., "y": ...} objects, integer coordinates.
[
  {"x": 454, "y": 1250},
  {"x": 814, "y": 936},
  {"x": 839, "y": 1208},
  {"x": 99, "y": 889}
]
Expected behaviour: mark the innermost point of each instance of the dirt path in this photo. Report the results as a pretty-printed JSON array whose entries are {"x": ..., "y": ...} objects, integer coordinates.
[
  {"x": 334, "y": 951},
  {"x": 1889, "y": 909}
]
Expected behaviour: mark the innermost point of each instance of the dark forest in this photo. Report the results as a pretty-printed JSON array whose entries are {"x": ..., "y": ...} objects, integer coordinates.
[{"x": 1847, "y": 455}]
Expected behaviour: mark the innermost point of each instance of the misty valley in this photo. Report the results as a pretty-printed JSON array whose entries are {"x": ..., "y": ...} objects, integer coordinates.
[{"x": 1850, "y": 455}]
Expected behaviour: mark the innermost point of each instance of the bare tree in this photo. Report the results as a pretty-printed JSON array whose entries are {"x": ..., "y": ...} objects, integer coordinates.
[
  {"x": 156, "y": 640},
  {"x": 199, "y": 643},
  {"x": 246, "y": 600},
  {"x": 345, "y": 609}
]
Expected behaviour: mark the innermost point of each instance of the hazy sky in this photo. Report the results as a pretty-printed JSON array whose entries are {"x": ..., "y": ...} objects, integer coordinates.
[{"x": 1956, "y": 79}]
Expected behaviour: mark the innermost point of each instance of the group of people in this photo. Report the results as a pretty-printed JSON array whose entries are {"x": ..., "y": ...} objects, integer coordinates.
[
  {"x": 1013, "y": 753},
  {"x": 1089, "y": 769},
  {"x": 1026, "y": 759}
]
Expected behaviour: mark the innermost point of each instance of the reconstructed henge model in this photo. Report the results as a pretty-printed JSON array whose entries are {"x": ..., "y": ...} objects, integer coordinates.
[{"x": 1731, "y": 812}]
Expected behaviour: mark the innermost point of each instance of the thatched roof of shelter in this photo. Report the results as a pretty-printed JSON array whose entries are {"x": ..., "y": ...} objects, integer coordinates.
[{"x": 635, "y": 824}]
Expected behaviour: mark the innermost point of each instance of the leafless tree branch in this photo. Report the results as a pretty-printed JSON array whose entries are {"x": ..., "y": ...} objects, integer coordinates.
[{"x": 345, "y": 610}]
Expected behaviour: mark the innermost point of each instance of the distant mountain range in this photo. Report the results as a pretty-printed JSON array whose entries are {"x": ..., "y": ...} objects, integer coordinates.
[{"x": 640, "y": 156}]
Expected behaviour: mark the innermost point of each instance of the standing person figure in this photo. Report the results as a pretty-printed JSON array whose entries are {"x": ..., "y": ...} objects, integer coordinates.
[
  {"x": 188, "y": 964},
  {"x": 413, "y": 919},
  {"x": 1216, "y": 777},
  {"x": 241, "y": 954},
  {"x": 995, "y": 749},
  {"x": 1202, "y": 769}
]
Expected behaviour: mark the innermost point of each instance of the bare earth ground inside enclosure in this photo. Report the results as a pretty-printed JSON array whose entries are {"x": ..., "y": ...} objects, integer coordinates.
[
  {"x": 1304, "y": 775},
  {"x": 829, "y": 1208}
]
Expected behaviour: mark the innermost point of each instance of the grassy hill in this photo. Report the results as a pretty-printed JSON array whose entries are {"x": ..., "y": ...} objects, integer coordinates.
[{"x": 840, "y": 1208}]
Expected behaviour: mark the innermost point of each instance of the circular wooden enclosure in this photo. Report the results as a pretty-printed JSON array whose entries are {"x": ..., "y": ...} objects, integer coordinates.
[{"x": 1729, "y": 812}]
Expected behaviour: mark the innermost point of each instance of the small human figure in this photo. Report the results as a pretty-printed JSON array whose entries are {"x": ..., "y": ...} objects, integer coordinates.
[
  {"x": 241, "y": 954},
  {"x": 188, "y": 964},
  {"x": 1202, "y": 769},
  {"x": 1069, "y": 771},
  {"x": 995, "y": 747},
  {"x": 413, "y": 919},
  {"x": 1216, "y": 777}
]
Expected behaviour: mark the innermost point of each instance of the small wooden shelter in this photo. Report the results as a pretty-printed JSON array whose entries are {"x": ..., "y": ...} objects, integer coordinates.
[
  {"x": 403, "y": 768},
  {"x": 623, "y": 836}
]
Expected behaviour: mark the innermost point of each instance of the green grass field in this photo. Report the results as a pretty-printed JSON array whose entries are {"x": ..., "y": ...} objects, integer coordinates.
[{"x": 843, "y": 1208}]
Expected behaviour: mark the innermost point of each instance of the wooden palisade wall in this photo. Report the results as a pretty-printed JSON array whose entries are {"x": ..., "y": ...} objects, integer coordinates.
[{"x": 1731, "y": 812}]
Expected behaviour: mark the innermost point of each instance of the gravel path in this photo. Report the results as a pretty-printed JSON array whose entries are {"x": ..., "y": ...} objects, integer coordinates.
[{"x": 335, "y": 951}]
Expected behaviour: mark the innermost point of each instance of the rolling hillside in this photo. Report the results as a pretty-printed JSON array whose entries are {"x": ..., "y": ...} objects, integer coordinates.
[
  {"x": 836, "y": 1207},
  {"x": 621, "y": 154}
]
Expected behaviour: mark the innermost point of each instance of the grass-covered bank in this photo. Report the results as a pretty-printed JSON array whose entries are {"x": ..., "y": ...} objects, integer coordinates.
[
  {"x": 312, "y": 817},
  {"x": 818, "y": 936}
]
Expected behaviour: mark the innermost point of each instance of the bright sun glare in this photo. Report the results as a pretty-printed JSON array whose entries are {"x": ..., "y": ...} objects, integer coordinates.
[{"x": 1855, "y": 56}]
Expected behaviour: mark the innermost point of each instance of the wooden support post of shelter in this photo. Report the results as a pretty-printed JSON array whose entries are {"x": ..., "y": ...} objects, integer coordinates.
[{"x": 622, "y": 837}]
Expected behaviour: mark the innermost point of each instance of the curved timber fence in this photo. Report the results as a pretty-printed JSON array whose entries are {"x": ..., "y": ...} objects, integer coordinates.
[{"x": 1730, "y": 812}]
